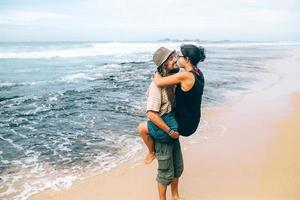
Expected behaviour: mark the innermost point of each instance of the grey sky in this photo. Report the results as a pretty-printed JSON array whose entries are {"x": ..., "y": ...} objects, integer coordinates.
[{"x": 129, "y": 20}]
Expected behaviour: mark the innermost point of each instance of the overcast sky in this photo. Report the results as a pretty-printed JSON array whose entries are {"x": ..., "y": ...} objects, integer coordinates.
[{"x": 140, "y": 20}]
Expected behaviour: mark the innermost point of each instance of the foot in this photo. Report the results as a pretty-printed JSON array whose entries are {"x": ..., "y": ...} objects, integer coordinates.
[
  {"x": 149, "y": 158},
  {"x": 177, "y": 198}
]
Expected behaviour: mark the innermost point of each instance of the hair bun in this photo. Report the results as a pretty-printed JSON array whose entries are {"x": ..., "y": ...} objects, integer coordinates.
[
  {"x": 202, "y": 55},
  {"x": 194, "y": 53}
]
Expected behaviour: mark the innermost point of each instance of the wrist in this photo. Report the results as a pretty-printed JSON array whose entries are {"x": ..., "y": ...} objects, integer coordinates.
[{"x": 170, "y": 131}]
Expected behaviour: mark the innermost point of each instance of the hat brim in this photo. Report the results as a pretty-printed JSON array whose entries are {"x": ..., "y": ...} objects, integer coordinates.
[{"x": 166, "y": 57}]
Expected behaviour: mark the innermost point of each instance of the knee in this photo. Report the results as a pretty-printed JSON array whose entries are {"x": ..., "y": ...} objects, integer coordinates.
[{"x": 141, "y": 129}]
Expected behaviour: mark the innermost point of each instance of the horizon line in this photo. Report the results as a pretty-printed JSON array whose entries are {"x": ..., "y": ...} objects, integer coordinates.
[{"x": 159, "y": 40}]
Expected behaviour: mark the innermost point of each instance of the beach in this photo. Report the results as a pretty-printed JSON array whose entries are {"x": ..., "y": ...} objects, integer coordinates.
[
  {"x": 68, "y": 118},
  {"x": 248, "y": 150},
  {"x": 74, "y": 87}
]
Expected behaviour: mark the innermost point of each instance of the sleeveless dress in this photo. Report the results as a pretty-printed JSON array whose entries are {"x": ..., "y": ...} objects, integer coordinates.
[{"x": 188, "y": 106}]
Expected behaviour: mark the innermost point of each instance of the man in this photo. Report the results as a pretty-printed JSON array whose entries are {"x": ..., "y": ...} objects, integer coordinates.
[{"x": 162, "y": 128}]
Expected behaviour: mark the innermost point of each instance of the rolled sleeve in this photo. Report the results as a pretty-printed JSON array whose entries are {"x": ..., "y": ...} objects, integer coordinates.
[{"x": 153, "y": 98}]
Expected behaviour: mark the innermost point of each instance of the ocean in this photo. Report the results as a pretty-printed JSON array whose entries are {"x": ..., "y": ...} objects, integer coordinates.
[{"x": 69, "y": 110}]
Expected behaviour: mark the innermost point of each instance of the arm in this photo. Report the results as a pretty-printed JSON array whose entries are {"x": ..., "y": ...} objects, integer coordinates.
[
  {"x": 157, "y": 120},
  {"x": 153, "y": 108},
  {"x": 170, "y": 80}
]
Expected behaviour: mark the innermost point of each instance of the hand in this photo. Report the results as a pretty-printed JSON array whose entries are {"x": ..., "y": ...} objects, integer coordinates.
[{"x": 175, "y": 135}]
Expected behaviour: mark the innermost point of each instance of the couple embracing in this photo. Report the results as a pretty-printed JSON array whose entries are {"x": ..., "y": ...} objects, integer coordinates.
[{"x": 173, "y": 109}]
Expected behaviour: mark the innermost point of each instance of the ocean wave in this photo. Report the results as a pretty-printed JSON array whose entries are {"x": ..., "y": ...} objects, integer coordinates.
[
  {"x": 9, "y": 85},
  {"x": 11, "y": 142},
  {"x": 8, "y": 98},
  {"x": 93, "y": 49},
  {"x": 77, "y": 77},
  {"x": 31, "y": 175},
  {"x": 119, "y": 49}
]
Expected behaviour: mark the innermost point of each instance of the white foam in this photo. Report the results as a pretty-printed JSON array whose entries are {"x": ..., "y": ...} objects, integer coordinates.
[
  {"x": 123, "y": 49},
  {"x": 10, "y": 190},
  {"x": 63, "y": 147},
  {"x": 77, "y": 77},
  {"x": 8, "y": 84},
  {"x": 38, "y": 108},
  {"x": 38, "y": 176},
  {"x": 12, "y": 143},
  {"x": 27, "y": 70},
  {"x": 30, "y": 160},
  {"x": 19, "y": 134},
  {"x": 4, "y": 85},
  {"x": 32, "y": 129},
  {"x": 53, "y": 98},
  {"x": 94, "y": 49},
  {"x": 5, "y": 161}
]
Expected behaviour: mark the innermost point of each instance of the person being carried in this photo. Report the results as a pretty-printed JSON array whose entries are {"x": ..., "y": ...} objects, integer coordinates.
[{"x": 189, "y": 90}]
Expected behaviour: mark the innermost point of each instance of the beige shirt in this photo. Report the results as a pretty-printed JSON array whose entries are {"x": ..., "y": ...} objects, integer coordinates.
[{"x": 157, "y": 99}]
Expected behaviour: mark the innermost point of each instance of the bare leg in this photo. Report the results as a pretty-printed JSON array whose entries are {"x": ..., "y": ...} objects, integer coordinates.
[
  {"x": 174, "y": 189},
  {"x": 162, "y": 190},
  {"x": 143, "y": 131}
]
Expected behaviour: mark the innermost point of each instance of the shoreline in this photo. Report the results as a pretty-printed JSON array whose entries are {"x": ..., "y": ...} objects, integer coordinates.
[{"x": 230, "y": 158}]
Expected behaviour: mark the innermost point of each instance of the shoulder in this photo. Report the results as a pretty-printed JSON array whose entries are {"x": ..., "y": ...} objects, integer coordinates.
[
  {"x": 183, "y": 75},
  {"x": 153, "y": 89},
  {"x": 153, "y": 86},
  {"x": 186, "y": 75}
]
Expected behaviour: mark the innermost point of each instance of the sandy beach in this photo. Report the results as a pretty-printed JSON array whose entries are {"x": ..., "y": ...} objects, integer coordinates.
[{"x": 248, "y": 149}]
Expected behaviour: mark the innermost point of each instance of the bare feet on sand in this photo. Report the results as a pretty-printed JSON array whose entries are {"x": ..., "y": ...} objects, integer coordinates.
[
  {"x": 149, "y": 158},
  {"x": 177, "y": 198}
]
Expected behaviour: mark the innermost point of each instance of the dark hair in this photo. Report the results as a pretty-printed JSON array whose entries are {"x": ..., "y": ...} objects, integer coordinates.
[{"x": 193, "y": 53}]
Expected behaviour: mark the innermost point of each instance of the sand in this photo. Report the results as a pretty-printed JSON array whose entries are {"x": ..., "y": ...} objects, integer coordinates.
[{"x": 248, "y": 149}]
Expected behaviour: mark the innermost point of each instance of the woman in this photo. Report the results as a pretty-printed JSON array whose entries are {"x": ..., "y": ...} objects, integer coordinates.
[{"x": 189, "y": 89}]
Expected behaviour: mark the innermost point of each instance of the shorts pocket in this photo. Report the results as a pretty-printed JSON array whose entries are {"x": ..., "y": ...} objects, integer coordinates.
[{"x": 164, "y": 162}]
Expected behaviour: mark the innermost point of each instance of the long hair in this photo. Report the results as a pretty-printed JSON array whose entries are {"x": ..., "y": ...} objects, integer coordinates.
[{"x": 169, "y": 89}]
